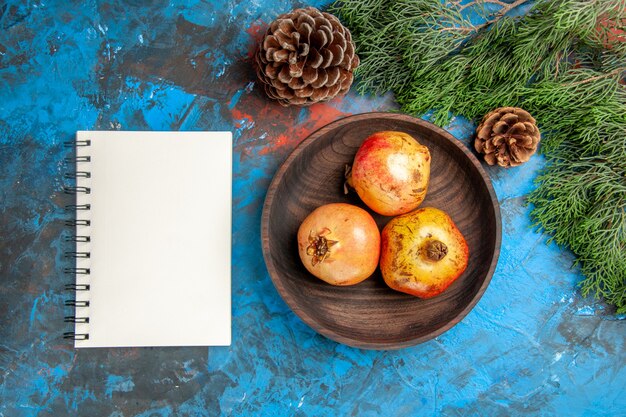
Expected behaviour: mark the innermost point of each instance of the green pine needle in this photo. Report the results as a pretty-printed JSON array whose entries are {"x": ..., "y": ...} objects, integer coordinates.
[{"x": 562, "y": 60}]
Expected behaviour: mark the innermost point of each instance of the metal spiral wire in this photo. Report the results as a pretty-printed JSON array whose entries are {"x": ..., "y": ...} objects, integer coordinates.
[{"x": 77, "y": 162}]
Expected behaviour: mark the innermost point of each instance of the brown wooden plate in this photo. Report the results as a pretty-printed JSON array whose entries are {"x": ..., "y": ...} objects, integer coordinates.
[{"x": 370, "y": 315}]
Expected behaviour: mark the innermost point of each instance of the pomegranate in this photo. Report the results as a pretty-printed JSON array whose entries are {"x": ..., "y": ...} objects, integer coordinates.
[
  {"x": 390, "y": 172},
  {"x": 339, "y": 243},
  {"x": 423, "y": 252}
]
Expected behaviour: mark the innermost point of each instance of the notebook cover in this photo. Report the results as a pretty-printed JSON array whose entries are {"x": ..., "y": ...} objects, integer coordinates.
[{"x": 160, "y": 238}]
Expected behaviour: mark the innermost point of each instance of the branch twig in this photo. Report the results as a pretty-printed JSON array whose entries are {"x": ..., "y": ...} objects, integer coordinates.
[
  {"x": 558, "y": 60},
  {"x": 506, "y": 7},
  {"x": 474, "y": 3},
  {"x": 598, "y": 77}
]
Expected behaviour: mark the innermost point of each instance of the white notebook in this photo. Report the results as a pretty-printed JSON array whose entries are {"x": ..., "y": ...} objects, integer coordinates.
[{"x": 153, "y": 239}]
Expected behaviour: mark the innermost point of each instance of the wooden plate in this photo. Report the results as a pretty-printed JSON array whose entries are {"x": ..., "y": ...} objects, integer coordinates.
[{"x": 370, "y": 315}]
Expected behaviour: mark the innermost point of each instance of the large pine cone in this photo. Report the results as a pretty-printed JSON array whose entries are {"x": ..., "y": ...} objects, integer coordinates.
[
  {"x": 306, "y": 56},
  {"x": 507, "y": 136}
]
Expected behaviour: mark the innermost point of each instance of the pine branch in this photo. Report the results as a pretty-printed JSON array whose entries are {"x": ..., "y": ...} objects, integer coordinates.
[{"x": 562, "y": 61}]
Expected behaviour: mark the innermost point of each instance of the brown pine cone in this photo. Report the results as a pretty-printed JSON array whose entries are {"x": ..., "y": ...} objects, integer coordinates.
[
  {"x": 306, "y": 56},
  {"x": 507, "y": 136}
]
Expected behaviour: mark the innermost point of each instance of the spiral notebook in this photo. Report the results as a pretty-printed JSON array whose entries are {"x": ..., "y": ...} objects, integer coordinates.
[{"x": 151, "y": 237}]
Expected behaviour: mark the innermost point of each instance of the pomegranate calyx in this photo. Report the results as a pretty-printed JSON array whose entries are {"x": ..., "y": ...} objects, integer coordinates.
[
  {"x": 319, "y": 247},
  {"x": 435, "y": 250}
]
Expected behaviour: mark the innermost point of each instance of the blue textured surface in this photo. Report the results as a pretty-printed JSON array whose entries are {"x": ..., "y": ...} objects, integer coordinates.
[{"x": 532, "y": 345}]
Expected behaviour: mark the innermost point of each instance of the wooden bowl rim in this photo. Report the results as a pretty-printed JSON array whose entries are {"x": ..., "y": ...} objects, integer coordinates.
[{"x": 311, "y": 321}]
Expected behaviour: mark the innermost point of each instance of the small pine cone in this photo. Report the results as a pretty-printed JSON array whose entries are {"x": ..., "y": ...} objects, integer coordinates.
[
  {"x": 306, "y": 56},
  {"x": 507, "y": 136}
]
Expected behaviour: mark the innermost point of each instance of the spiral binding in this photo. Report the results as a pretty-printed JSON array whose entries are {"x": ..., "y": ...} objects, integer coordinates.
[
  {"x": 79, "y": 271},
  {"x": 76, "y": 190},
  {"x": 75, "y": 162},
  {"x": 74, "y": 159},
  {"x": 76, "y": 336},
  {"x": 73, "y": 223},
  {"x": 76, "y": 303},
  {"x": 74, "y": 319},
  {"x": 78, "y": 254},
  {"x": 77, "y": 287},
  {"x": 75, "y": 238},
  {"x": 77, "y": 207},
  {"x": 77, "y": 174}
]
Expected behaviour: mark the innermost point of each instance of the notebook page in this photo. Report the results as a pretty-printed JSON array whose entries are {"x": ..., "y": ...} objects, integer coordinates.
[{"x": 160, "y": 244}]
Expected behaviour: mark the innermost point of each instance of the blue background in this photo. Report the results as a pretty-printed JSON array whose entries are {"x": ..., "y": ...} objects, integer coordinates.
[{"x": 532, "y": 345}]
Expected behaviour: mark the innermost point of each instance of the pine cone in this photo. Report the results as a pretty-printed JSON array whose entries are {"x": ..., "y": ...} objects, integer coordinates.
[
  {"x": 306, "y": 56},
  {"x": 507, "y": 136}
]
